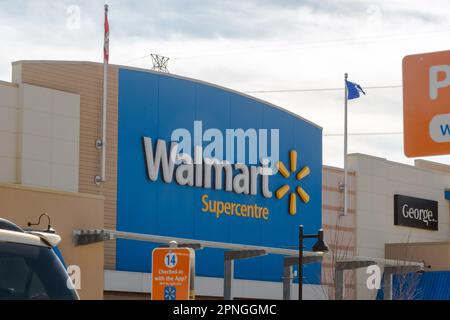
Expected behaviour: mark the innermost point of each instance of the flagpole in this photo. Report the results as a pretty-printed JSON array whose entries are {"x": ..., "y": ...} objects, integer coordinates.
[
  {"x": 105, "y": 102},
  {"x": 102, "y": 143},
  {"x": 345, "y": 144}
]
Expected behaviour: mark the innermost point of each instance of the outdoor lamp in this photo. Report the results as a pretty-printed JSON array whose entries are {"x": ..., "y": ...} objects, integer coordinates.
[
  {"x": 49, "y": 226},
  {"x": 320, "y": 246}
]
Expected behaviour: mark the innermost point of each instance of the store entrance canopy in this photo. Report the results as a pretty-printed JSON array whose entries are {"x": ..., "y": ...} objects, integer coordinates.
[
  {"x": 447, "y": 194},
  {"x": 390, "y": 266},
  {"x": 241, "y": 251},
  {"x": 233, "y": 252}
]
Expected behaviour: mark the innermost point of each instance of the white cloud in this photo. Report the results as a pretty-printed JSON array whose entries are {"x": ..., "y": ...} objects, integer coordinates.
[{"x": 254, "y": 45}]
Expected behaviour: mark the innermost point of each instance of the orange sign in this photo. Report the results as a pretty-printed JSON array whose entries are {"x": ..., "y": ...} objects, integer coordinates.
[
  {"x": 172, "y": 273},
  {"x": 426, "y": 104}
]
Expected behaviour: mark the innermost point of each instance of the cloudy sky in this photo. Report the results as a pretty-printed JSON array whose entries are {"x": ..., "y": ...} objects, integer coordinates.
[{"x": 254, "y": 46}]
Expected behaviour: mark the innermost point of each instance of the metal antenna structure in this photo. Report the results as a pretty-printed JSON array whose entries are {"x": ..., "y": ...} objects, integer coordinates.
[{"x": 160, "y": 63}]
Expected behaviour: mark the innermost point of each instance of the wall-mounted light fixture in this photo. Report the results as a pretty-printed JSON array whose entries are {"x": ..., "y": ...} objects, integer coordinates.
[{"x": 49, "y": 226}]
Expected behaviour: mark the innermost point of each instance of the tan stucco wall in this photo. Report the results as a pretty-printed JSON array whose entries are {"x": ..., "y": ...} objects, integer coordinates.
[
  {"x": 86, "y": 80},
  {"x": 68, "y": 211},
  {"x": 339, "y": 231},
  {"x": 434, "y": 254}
]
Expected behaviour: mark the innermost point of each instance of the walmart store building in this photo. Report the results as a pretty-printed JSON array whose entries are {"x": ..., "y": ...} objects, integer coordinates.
[
  {"x": 51, "y": 118},
  {"x": 58, "y": 120}
]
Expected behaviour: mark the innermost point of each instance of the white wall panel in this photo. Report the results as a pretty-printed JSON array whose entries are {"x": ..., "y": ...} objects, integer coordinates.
[
  {"x": 48, "y": 139},
  {"x": 8, "y": 131},
  {"x": 378, "y": 181}
]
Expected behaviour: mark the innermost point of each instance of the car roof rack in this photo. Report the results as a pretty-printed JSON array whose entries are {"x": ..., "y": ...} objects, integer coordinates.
[{"x": 50, "y": 238}]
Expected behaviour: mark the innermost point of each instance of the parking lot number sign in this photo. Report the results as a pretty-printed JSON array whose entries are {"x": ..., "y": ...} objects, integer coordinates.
[
  {"x": 426, "y": 104},
  {"x": 172, "y": 273}
]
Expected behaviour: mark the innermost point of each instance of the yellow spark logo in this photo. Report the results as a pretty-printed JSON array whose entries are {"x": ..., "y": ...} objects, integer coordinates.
[{"x": 283, "y": 190}]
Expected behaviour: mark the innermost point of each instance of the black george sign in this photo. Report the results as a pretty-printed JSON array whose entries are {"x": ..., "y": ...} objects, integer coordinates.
[{"x": 415, "y": 212}]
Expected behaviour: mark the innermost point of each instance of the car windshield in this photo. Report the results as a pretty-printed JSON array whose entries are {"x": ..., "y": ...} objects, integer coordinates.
[{"x": 32, "y": 272}]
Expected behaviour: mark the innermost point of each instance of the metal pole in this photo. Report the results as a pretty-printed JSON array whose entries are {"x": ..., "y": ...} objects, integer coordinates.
[
  {"x": 105, "y": 98},
  {"x": 228, "y": 279},
  {"x": 300, "y": 264},
  {"x": 228, "y": 276},
  {"x": 339, "y": 283},
  {"x": 102, "y": 143},
  {"x": 387, "y": 284},
  {"x": 345, "y": 145},
  {"x": 287, "y": 281},
  {"x": 320, "y": 234}
]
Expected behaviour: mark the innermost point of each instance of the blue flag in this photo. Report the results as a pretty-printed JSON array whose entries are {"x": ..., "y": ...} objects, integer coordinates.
[{"x": 353, "y": 90}]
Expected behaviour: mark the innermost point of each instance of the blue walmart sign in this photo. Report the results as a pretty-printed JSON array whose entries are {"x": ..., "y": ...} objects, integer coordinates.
[{"x": 161, "y": 195}]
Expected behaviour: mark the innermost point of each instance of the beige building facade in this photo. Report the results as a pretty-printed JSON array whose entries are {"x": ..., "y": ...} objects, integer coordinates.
[
  {"x": 377, "y": 235},
  {"x": 50, "y": 118}
]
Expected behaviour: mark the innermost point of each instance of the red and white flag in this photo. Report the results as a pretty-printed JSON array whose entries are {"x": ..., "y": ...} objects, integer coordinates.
[{"x": 106, "y": 41}]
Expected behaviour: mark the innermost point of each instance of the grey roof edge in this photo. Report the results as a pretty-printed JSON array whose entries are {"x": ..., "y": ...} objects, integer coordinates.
[
  {"x": 406, "y": 165},
  {"x": 420, "y": 243},
  {"x": 176, "y": 77},
  {"x": 8, "y": 84},
  {"x": 334, "y": 168}
]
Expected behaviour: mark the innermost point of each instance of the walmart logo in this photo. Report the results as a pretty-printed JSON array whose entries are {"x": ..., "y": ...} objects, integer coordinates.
[
  {"x": 210, "y": 173},
  {"x": 283, "y": 190}
]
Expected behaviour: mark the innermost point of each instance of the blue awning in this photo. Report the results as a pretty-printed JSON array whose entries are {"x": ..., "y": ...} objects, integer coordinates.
[
  {"x": 427, "y": 286},
  {"x": 447, "y": 194}
]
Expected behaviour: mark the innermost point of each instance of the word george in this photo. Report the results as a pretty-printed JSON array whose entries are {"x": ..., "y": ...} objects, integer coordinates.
[
  {"x": 234, "y": 209},
  {"x": 425, "y": 215}
]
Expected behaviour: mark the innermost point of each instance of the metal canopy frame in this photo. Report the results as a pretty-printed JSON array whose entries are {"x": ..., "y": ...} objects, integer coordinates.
[
  {"x": 228, "y": 274},
  {"x": 235, "y": 252},
  {"x": 390, "y": 267},
  {"x": 243, "y": 251},
  {"x": 389, "y": 271},
  {"x": 81, "y": 237},
  {"x": 288, "y": 264}
]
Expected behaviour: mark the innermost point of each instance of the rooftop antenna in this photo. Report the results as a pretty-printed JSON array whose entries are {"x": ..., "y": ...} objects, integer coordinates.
[{"x": 160, "y": 63}]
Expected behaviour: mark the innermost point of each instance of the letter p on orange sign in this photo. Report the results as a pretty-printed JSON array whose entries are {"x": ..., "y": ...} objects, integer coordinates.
[{"x": 435, "y": 82}]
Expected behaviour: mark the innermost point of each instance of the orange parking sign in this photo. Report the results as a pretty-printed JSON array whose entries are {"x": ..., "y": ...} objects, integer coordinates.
[
  {"x": 426, "y": 104},
  {"x": 173, "y": 273}
]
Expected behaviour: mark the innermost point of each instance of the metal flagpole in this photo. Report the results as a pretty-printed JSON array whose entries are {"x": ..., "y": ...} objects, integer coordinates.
[
  {"x": 345, "y": 145},
  {"x": 102, "y": 143}
]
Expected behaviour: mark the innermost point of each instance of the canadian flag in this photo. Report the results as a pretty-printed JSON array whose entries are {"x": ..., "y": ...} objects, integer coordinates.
[{"x": 106, "y": 41}]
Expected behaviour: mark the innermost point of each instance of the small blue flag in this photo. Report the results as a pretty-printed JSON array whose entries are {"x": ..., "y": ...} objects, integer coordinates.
[{"x": 353, "y": 90}]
